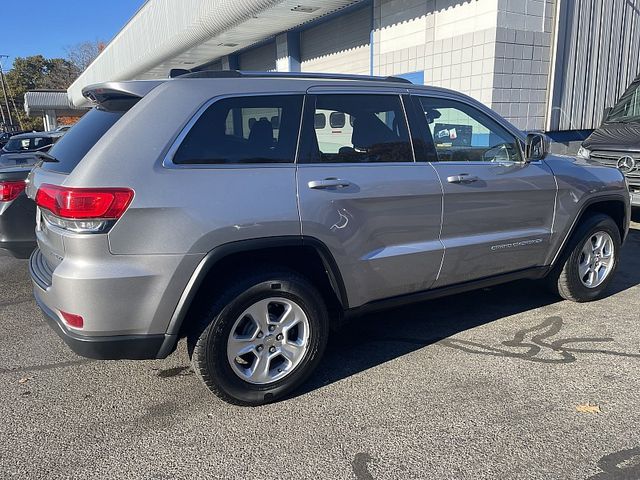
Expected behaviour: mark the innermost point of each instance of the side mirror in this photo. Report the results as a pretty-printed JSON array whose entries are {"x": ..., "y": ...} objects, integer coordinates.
[{"x": 537, "y": 147}]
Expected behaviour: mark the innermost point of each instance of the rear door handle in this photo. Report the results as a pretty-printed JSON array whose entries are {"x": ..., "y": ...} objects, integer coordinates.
[
  {"x": 462, "y": 178},
  {"x": 328, "y": 183}
]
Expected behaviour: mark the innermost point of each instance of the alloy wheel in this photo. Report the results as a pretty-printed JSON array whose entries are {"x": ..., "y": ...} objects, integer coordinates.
[
  {"x": 596, "y": 259},
  {"x": 268, "y": 341}
]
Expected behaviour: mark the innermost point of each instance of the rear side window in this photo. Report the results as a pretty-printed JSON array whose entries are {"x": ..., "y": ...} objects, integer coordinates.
[
  {"x": 242, "y": 130},
  {"x": 41, "y": 142},
  {"x": 75, "y": 144},
  {"x": 376, "y": 132}
]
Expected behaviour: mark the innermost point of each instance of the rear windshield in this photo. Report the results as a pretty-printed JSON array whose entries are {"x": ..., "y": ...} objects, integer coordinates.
[{"x": 80, "y": 139}]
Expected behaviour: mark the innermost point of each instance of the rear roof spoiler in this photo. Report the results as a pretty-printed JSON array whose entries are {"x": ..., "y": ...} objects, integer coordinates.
[{"x": 131, "y": 90}]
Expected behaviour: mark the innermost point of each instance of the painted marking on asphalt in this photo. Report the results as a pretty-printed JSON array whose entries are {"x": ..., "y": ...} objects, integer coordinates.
[{"x": 538, "y": 344}]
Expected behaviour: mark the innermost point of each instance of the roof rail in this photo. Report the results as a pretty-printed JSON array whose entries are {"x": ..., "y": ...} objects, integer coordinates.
[{"x": 323, "y": 76}]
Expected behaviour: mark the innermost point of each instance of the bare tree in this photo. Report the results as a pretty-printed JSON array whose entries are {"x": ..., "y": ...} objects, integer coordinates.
[{"x": 82, "y": 54}]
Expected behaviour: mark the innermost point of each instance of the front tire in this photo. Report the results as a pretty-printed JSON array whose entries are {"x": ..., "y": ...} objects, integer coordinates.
[
  {"x": 260, "y": 338},
  {"x": 585, "y": 270}
]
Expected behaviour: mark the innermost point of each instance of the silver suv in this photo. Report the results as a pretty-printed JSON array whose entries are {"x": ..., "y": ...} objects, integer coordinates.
[{"x": 250, "y": 213}]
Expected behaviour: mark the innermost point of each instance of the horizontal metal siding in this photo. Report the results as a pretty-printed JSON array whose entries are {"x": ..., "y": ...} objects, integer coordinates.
[
  {"x": 341, "y": 45},
  {"x": 599, "y": 40}
]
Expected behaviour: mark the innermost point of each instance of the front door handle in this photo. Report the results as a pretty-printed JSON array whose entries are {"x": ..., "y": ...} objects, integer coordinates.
[
  {"x": 328, "y": 183},
  {"x": 462, "y": 178}
]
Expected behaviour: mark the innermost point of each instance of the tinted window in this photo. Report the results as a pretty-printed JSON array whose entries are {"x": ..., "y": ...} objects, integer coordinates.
[
  {"x": 42, "y": 142},
  {"x": 337, "y": 120},
  {"x": 378, "y": 133},
  {"x": 320, "y": 121},
  {"x": 75, "y": 144},
  {"x": 240, "y": 130},
  {"x": 462, "y": 133},
  {"x": 27, "y": 144}
]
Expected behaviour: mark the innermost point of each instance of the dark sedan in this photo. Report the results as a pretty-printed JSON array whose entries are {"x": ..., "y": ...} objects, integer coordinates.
[{"x": 17, "y": 212}]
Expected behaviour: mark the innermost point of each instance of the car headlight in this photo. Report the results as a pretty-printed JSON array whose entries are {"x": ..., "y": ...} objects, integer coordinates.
[{"x": 584, "y": 153}]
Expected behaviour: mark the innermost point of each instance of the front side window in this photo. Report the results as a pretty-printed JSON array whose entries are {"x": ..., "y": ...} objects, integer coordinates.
[
  {"x": 462, "y": 133},
  {"x": 241, "y": 130},
  {"x": 376, "y": 131}
]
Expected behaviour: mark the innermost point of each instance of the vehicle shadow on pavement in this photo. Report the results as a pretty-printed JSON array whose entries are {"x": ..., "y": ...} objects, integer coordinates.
[{"x": 374, "y": 339}]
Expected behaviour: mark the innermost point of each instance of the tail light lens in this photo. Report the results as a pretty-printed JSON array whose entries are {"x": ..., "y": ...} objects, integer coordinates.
[
  {"x": 83, "y": 210},
  {"x": 10, "y": 189},
  {"x": 79, "y": 203}
]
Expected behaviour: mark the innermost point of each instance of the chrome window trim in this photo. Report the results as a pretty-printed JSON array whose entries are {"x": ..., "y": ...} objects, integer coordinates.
[{"x": 168, "y": 162}]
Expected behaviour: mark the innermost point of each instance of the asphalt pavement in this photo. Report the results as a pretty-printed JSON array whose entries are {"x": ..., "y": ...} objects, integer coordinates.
[{"x": 507, "y": 383}]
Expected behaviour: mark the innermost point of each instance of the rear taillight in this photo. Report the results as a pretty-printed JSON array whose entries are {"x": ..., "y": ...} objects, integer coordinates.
[
  {"x": 83, "y": 210},
  {"x": 83, "y": 203},
  {"x": 10, "y": 189}
]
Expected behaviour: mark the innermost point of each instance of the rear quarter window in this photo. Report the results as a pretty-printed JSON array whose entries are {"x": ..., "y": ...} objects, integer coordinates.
[
  {"x": 77, "y": 142},
  {"x": 244, "y": 130}
]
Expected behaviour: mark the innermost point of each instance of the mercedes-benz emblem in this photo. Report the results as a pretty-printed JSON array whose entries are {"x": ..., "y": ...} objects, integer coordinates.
[{"x": 626, "y": 164}]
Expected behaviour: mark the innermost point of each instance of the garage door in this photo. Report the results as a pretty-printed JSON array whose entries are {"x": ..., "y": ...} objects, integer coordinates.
[
  {"x": 341, "y": 45},
  {"x": 259, "y": 59}
]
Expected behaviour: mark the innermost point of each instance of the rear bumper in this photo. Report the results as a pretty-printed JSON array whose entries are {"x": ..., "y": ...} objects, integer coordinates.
[
  {"x": 120, "y": 347},
  {"x": 118, "y": 305}
]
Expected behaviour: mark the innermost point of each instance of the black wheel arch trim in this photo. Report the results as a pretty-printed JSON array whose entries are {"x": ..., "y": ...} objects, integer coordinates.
[
  {"x": 252, "y": 245},
  {"x": 589, "y": 203}
]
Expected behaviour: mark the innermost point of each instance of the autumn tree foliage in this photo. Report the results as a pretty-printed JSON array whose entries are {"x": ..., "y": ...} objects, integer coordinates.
[{"x": 37, "y": 72}]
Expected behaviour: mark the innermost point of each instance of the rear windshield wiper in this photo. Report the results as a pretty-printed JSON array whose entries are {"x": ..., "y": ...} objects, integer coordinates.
[{"x": 45, "y": 157}]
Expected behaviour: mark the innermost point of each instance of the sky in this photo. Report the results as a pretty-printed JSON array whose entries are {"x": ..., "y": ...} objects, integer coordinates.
[{"x": 45, "y": 27}]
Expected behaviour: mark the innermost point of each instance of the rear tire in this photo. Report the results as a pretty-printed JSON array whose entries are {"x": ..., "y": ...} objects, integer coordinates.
[
  {"x": 252, "y": 361},
  {"x": 587, "y": 265}
]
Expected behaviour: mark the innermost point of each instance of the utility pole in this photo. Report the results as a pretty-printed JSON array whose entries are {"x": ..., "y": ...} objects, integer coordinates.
[
  {"x": 4, "y": 119},
  {"x": 4, "y": 90}
]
